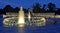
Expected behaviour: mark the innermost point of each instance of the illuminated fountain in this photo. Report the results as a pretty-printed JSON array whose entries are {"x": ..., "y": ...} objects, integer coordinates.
[
  {"x": 21, "y": 20},
  {"x": 29, "y": 16}
]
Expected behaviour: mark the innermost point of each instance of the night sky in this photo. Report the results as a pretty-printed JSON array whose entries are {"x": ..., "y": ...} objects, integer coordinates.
[{"x": 26, "y": 3}]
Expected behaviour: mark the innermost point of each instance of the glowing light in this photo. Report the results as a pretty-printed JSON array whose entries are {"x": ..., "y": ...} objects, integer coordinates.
[
  {"x": 44, "y": 22},
  {"x": 29, "y": 16},
  {"x": 21, "y": 17},
  {"x": 21, "y": 21},
  {"x": 21, "y": 25},
  {"x": 57, "y": 16},
  {"x": 5, "y": 22},
  {"x": 43, "y": 19}
]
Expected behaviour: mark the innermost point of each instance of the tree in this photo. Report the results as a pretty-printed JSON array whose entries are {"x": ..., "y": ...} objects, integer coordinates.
[
  {"x": 58, "y": 11},
  {"x": 8, "y": 8},
  {"x": 16, "y": 9},
  {"x": 37, "y": 8},
  {"x": 44, "y": 6},
  {"x": 51, "y": 7},
  {"x": 1, "y": 11}
]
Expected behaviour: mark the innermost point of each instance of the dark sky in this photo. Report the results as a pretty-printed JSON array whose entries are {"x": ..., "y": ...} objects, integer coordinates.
[{"x": 26, "y": 3}]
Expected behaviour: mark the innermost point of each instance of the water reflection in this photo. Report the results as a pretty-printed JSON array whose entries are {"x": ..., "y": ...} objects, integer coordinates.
[
  {"x": 21, "y": 30},
  {"x": 21, "y": 25},
  {"x": 14, "y": 29}
]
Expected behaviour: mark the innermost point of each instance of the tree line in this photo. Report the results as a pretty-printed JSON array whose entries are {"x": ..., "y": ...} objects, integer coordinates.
[{"x": 36, "y": 8}]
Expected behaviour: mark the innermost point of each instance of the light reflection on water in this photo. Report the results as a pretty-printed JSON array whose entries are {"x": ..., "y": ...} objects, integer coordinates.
[
  {"x": 19, "y": 29},
  {"x": 30, "y": 29},
  {"x": 13, "y": 29}
]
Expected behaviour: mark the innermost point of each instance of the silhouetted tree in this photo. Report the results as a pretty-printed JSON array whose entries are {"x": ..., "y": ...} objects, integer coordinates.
[
  {"x": 58, "y": 11},
  {"x": 25, "y": 10},
  {"x": 1, "y": 11},
  {"x": 37, "y": 8},
  {"x": 44, "y": 6},
  {"x": 51, "y": 7},
  {"x": 8, "y": 8},
  {"x": 16, "y": 9}
]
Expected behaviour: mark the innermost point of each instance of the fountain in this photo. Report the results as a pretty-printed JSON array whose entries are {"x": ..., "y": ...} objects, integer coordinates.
[
  {"x": 21, "y": 20},
  {"x": 29, "y": 16}
]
